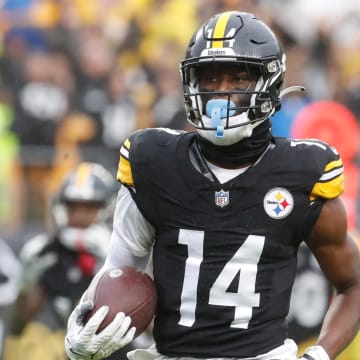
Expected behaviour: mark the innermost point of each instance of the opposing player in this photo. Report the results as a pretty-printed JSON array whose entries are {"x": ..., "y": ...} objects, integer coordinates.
[{"x": 223, "y": 211}]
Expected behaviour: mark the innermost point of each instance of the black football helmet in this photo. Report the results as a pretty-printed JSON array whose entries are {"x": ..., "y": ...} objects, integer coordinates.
[
  {"x": 234, "y": 38},
  {"x": 87, "y": 183}
]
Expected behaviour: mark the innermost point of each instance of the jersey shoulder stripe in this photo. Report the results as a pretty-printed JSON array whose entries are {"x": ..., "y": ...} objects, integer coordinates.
[
  {"x": 331, "y": 183},
  {"x": 324, "y": 162},
  {"x": 142, "y": 151},
  {"x": 124, "y": 172}
]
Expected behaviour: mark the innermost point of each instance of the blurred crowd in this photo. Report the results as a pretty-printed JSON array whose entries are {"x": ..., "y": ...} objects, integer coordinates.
[{"x": 78, "y": 76}]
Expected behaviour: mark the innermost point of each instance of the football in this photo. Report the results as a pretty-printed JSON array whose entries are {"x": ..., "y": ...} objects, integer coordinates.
[{"x": 126, "y": 290}]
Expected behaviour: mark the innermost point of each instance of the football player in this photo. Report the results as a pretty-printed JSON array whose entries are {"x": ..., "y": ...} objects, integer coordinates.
[
  {"x": 58, "y": 266},
  {"x": 223, "y": 211},
  {"x": 10, "y": 270}
]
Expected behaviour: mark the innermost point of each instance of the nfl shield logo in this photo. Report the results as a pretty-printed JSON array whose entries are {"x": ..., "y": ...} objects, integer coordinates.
[{"x": 221, "y": 198}]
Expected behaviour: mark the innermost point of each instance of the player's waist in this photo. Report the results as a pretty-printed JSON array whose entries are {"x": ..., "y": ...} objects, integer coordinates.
[
  {"x": 214, "y": 340},
  {"x": 288, "y": 350}
]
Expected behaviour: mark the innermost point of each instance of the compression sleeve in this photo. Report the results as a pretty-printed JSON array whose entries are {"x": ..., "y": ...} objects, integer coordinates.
[{"x": 132, "y": 237}]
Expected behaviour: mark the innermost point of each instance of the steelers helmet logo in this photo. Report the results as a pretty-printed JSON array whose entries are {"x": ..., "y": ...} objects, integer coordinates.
[{"x": 278, "y": 203}]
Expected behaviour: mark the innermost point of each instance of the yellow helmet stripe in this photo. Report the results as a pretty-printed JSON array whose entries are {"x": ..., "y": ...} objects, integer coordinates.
[
  {"x": 220, "y": 27},
  {"x": 82, "y": 174}
]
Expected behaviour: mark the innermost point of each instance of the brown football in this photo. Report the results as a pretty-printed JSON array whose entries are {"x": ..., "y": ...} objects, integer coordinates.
[{"x": 126, "y": 290}]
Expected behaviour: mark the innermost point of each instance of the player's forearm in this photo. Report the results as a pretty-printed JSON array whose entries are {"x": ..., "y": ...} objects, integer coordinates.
[{"x": 342, "y": 321}]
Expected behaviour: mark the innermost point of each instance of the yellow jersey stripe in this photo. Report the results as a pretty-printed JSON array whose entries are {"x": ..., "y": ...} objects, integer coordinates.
[
  {"x": 125, "y": 148},
  {"x": 82, "y": 174},
  {"x": 333, "y": 164},
  {"x": 328, "y": 190},
  {"x": 220, "y": 27},
  {"x": 332, "y": 170},
  {"x": 124, "y": 173},
  {"x": 127, "y": 144},
  {"x": 327, "y": 176}
]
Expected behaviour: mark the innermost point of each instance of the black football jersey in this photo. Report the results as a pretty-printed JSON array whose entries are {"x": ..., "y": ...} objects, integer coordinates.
[{"x": 224, "y": 255}]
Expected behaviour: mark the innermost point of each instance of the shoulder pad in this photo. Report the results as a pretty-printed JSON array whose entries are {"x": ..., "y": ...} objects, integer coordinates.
[
  {"x": 143, "y": 139},
  {"x": 330, "y": 184}
]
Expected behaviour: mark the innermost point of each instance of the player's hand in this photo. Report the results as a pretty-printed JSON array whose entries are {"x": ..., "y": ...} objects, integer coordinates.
[
  {"x": 82, "y": 342},
  {"x": 315, "y": 353}
]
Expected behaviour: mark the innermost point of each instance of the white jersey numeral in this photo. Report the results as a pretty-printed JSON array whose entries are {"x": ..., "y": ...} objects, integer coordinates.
[
  {"x": 313, "y": 142},
  {"x": 309, "y": 142},
  {"x": 244, "y": 263},
  {"x": 194, "y": 241}
]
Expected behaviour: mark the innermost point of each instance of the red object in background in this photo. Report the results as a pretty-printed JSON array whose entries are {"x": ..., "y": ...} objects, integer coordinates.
[
  {"x": 335, "y": 124},
  {"x": 86, "y": 263},
  {"x": 331, "y": 122}
]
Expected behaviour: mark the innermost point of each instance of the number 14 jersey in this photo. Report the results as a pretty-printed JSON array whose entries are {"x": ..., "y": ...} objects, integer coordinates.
[{"x": 224, "y": 255}]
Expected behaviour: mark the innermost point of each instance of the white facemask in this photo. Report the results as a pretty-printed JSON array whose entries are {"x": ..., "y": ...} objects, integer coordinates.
[{"x": 230, "y": 136}]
